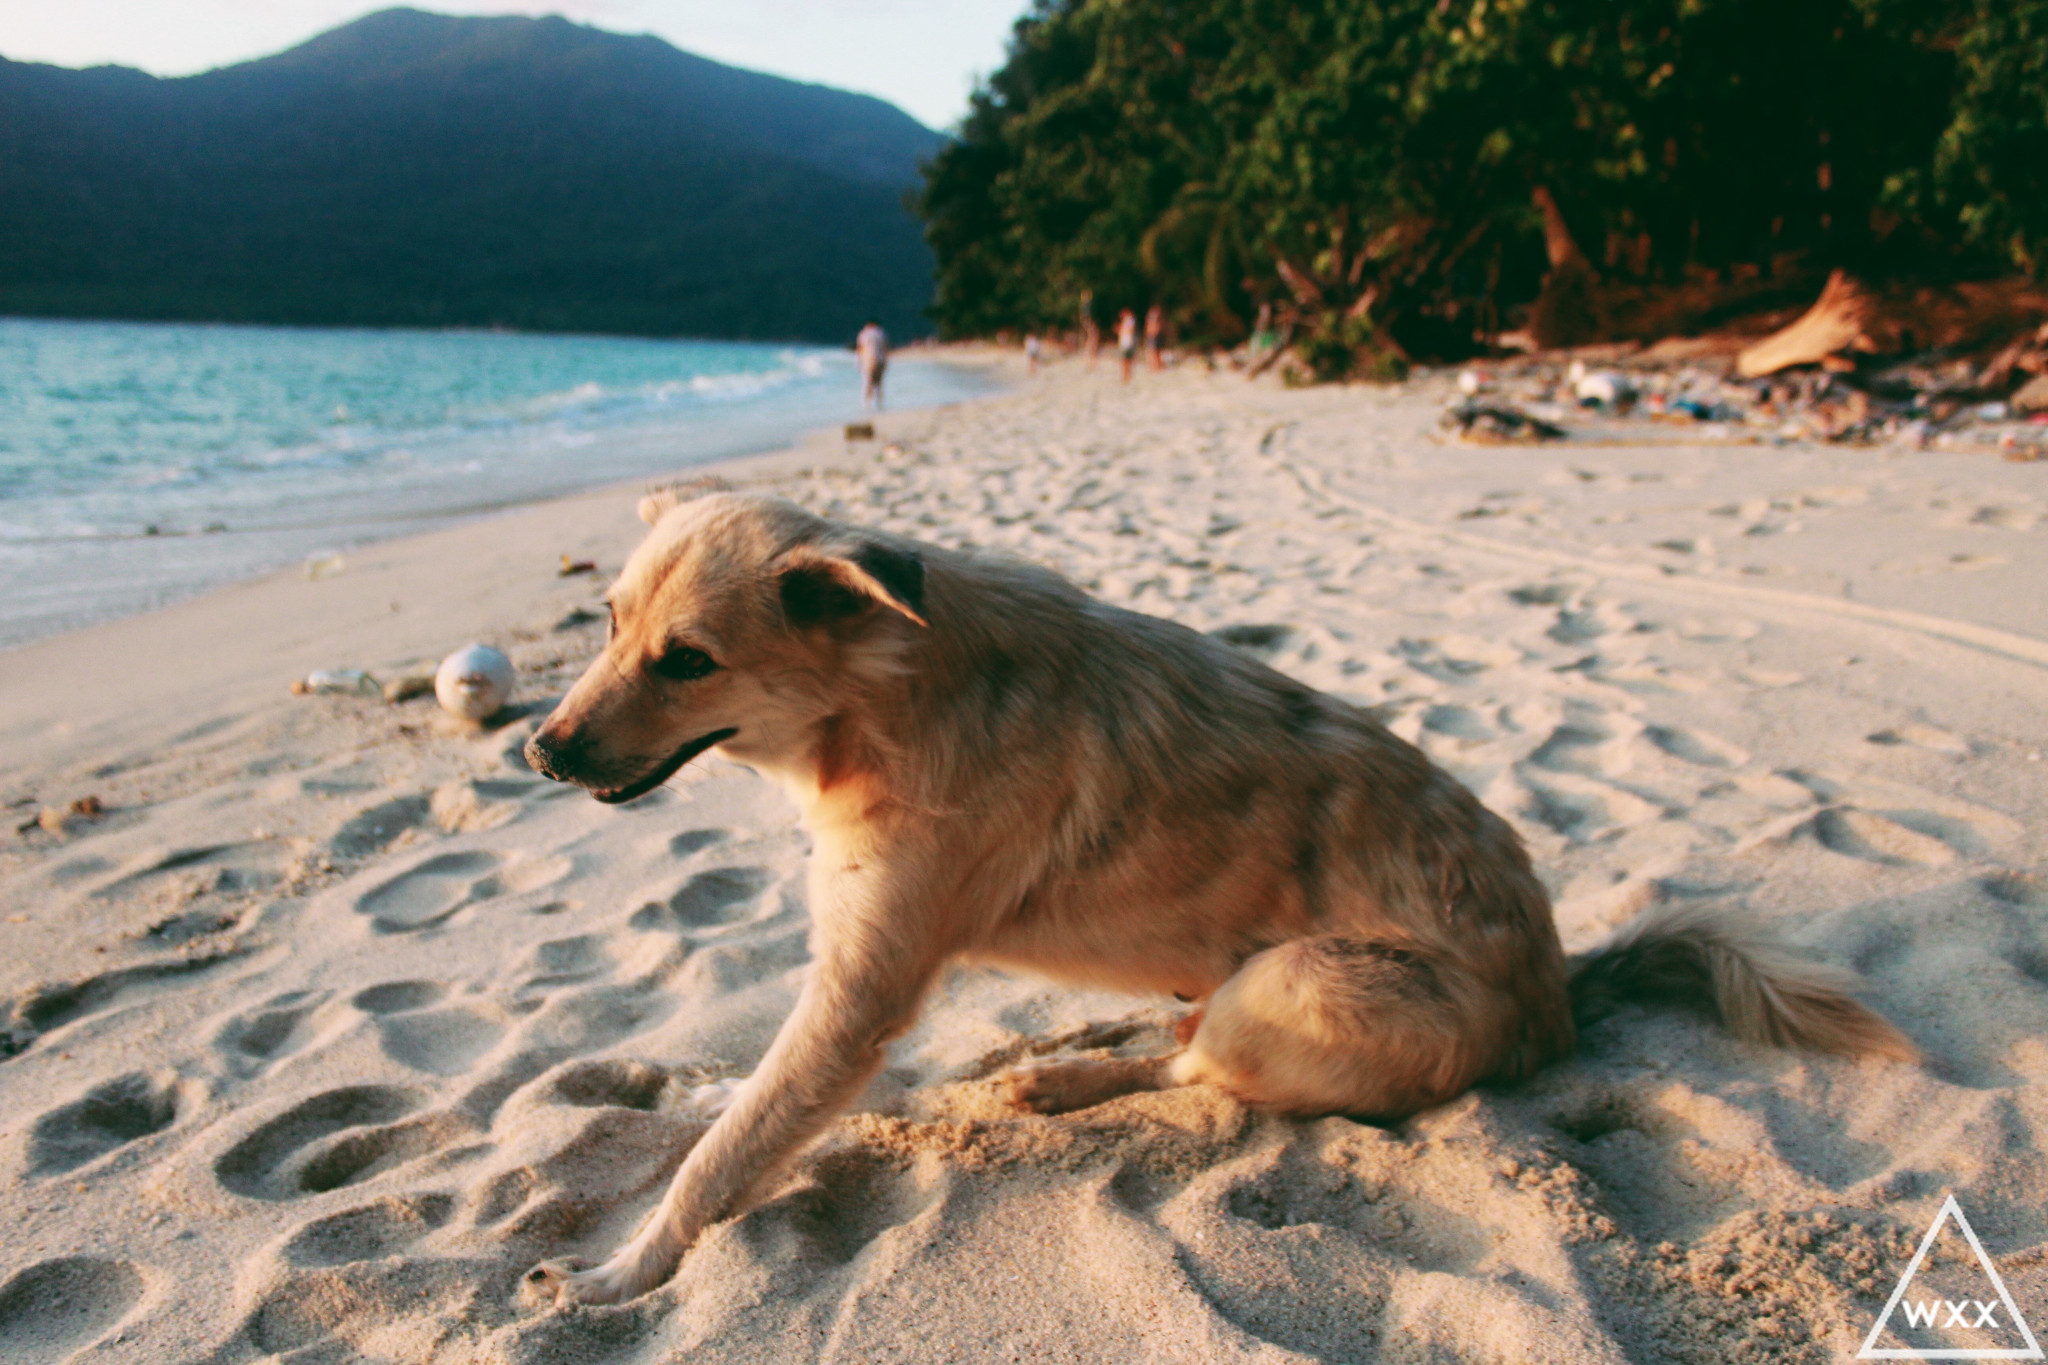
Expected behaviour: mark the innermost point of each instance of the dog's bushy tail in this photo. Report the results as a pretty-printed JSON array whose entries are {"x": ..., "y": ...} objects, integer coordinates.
[{"x": 1725, "y": 963}]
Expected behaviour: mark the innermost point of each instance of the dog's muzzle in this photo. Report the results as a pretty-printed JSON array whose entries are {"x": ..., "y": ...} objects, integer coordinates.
[{"x": 561, "y": 761}]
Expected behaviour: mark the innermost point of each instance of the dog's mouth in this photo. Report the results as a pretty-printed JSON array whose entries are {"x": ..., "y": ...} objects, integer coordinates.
[{"x": 612, "y": 796}]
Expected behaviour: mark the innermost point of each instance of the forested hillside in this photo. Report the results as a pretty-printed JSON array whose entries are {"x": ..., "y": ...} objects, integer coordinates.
[
  {"x": 418, "y": 169},
  {"x": 1401, "y": 177}
]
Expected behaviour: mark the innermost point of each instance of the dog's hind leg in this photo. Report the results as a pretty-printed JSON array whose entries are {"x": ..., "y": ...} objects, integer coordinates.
[
  {"x": 1336, "y": 1025},
  {"x": 1326, "y": 1025},
  {"x": 1078, "y": 1082}
]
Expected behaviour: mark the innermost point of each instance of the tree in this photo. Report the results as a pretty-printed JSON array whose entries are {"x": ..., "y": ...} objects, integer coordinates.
[{"x": 1392, "y": 175}]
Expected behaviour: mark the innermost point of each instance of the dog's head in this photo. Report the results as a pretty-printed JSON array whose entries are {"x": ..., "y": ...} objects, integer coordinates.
[{"x": 740, "y": 621}]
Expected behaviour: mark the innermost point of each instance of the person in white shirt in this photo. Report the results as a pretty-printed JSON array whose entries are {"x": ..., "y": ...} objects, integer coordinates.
[{"x": 872, "y": 345}]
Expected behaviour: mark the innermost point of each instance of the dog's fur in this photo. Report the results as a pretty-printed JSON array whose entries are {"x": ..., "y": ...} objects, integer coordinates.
[{"x": 996, "y": 768}]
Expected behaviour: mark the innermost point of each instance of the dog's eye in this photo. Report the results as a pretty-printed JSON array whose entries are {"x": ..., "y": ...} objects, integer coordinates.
[
  {"x": 684, "y": 663},
  {"x": 611, "y": 625}
]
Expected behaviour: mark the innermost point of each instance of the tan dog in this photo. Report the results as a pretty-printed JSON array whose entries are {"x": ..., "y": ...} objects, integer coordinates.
[{"x": 996, "y": 768}]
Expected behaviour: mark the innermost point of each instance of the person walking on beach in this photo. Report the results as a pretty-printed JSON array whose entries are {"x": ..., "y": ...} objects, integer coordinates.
[
  {"x": 1155, "y": 333},
  {"x": 1126, "y": 341},
  {"x": 1033, "y": 348},
  {"x": 872, "y": 346}
]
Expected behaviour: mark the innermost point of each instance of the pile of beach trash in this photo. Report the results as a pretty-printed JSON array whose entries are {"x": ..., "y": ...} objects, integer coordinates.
[{"x": 1926, "y": 403}]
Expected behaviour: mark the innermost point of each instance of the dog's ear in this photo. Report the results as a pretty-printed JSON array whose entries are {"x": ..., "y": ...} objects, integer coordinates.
[
  {"x": 824, "y": 582},
  {"x": 658, "y": 502}
]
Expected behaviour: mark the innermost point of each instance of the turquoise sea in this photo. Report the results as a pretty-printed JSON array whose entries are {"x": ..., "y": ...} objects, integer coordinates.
[{"x": 141, "y": 463}]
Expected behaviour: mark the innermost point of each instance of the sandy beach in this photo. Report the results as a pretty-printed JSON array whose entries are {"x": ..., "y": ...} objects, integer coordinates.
[{"x": 337, "y": 1018}]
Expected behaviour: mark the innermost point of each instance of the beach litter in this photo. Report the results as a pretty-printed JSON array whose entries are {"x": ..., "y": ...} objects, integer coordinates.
[
  {"x": 474, "y": 682},
  {"x": 326, "y": 564},
  {"x": 1606, "y": 389},
  {"x": 1493, "y": 424},
  {"x": 62, "y": 820},
  {"x": 1931, "y": 400},
  {"x": 410, "y": 686},
  {"x": 571, "y": 567},
  {"x": 337, "y": 682}
]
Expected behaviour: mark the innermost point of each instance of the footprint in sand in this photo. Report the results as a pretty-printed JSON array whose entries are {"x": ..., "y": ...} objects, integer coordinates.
[
  {"x": 49, "y": 1005},
  {"x": 1922, "y": 737},
  {"x": 2027, "y": 889},
  {"x": 1457, "y": 722},
  {"x": 336, "y": 1138},
  {"x": 430, "y": 891},
  {"x": 691, "y": 840},
  {"x": 108, "y": 1117},
  {"x": 1696, "y": 747},
  {"x": 1588, "y": 623},
  {"x": 1262, "y": 642},
  {"x": 439, "y": 1042},
  {"x": 208, "y": 859},
  {"x": 413, "y": 1033},
  {"x": 1586, "y": 746},
  {"x": 252, "y": 1041},
  {"x": 565, "y": 961},
  {"x": 51, "y": 1309},
  {"x": 1541, "y": 594},
  {"x": 710, "y": 898},
  {"x": 1576, "y": 807},
  {"x": 1452, "y": 658},
  {"x": 368, "y": 1233},
  {"x": 376, "y": 829},
  {"x": 397, "y": 997},
  {"x": 1878, "y": 839},
  {"x": 616, "y": 1083},
  {"x": 2006, "y": 518}
]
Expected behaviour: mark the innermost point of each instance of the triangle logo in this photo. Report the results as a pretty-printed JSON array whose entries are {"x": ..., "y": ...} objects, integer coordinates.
[{"x": 1979, "y": 1310}]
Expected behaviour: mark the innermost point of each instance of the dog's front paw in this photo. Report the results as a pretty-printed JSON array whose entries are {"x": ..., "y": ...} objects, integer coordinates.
[{"x": 559, "y": 1283}]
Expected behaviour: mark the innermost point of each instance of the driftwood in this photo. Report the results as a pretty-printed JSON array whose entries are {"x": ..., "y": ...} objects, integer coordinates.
[
  {"x": 1841, "y": 321},
  {"x": 1853, "y": 321},
  {"x": 2032, "y": 396}
]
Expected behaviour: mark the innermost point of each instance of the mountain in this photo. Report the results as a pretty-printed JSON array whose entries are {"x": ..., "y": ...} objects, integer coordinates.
[{"x": 424, "y": 170}]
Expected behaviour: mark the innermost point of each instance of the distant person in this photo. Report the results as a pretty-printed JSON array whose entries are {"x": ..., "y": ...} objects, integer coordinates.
[
  {"x": 1091, "y": 334},
  {"x": 872, "y": 346},
  {"x": 1126, "y": 341},
  {"x": 1032, "y": 349},
  {"x": 1155, "y": 333}
]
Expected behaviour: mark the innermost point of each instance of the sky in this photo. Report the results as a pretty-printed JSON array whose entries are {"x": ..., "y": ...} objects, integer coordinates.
[{"x": 921, "y": 55}]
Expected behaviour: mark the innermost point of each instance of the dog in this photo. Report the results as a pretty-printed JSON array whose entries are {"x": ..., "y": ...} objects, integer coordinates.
[{"x": 996, "y": 768}]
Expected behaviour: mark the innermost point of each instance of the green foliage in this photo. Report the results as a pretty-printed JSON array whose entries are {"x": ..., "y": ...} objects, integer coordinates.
[
  {"x": 1992, "y": 163},
  {"x": 1377, "y": 159},
  {"x": 1338, "y": 348}
]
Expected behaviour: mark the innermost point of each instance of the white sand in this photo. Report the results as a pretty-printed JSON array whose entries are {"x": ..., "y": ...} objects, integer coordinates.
[{"x": 339, "y": 1018}]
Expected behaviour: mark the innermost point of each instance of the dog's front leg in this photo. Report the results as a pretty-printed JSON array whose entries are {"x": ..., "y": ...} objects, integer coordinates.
[{"x": 858, "y": 997}]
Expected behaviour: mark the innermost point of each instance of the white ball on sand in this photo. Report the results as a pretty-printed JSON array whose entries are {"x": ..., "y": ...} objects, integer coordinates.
[{"x": 474, "y": 682}]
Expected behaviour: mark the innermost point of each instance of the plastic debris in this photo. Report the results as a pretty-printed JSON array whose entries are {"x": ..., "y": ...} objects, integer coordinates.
[{"x": 337, "y": 681}]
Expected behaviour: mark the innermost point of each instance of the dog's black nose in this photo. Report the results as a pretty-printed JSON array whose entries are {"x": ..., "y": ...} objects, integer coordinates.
[{"x": 551, "y": 755}]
